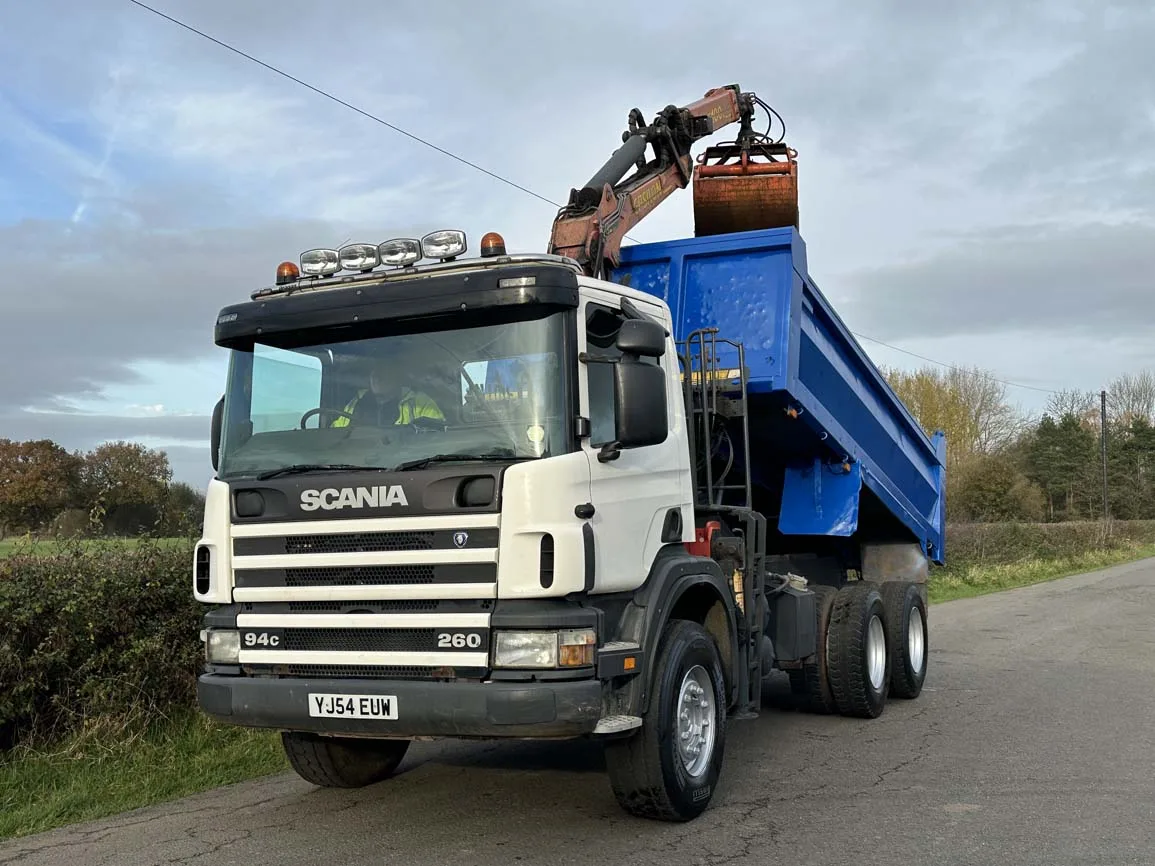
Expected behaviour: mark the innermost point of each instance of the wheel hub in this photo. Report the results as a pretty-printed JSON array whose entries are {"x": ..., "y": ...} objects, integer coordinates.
[
  {"x": 876, "y": 652},
  {"x": 916, "y": 640},
  {"x": 695, "y": 724}
]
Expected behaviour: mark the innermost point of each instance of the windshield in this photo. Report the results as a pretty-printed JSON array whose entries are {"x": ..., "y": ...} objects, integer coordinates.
[{"x": 487, "y": 391}]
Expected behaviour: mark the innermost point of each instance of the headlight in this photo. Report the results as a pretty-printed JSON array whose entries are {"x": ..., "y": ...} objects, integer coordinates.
[
  {"x": 359, "y": 257},
  {"x": 223, "y": 646},
  {"x": 572, "y": 648},
  {"x": 400, "y": 252},
  {"x": 446, "y": 244},
  {"x": 320, "y": 263}
]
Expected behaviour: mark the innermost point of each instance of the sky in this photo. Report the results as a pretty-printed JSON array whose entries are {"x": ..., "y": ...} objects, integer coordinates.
[{"x": 977, "y": 181}]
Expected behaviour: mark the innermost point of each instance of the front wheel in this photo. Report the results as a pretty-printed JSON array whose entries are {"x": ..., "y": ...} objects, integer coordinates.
[
  {"x": 669, "y": 769},
  {"x": 342, "y": 762}
]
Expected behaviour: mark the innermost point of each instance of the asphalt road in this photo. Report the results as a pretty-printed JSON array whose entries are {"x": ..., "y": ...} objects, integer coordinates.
[{"x": 1033, "y": 743}]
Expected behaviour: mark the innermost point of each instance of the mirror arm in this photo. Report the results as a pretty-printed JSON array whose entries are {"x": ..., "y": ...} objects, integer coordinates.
[
  {"x": 587, "y": 358},
  {"x": 632, "y": 312}
]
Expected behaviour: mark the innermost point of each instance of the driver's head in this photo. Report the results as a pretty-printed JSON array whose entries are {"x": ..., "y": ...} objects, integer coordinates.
[{"x": 385, "y": 377}]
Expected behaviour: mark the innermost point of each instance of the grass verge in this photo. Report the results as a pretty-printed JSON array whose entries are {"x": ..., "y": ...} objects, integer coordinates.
[
  {"x": 968, "y": 580},
  {"x": 88, "y": 777}
]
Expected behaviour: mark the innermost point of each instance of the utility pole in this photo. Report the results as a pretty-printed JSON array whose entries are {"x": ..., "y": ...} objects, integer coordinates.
[{"x": 1103, "y": 450}]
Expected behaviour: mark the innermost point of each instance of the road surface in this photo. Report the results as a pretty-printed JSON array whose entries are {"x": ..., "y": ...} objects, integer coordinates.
[{"x": 1033, "y": 743}]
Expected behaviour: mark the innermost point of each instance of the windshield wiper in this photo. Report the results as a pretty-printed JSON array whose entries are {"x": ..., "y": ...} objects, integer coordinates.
[
  {"x": 302, "y": 468},
  {"x": 496, "y": 454}
]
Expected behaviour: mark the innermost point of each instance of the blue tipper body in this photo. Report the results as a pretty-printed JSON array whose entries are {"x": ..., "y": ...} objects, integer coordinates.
[{"x": 817, "y": 402}]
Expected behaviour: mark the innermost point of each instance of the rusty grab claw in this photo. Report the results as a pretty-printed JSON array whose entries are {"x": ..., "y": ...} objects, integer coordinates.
[{"x": 745, "y": 188}]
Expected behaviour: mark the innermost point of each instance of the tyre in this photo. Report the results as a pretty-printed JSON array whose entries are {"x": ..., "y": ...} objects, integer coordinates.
[
  {"x": 858, "y": 660},
  {"x": 811, "y": 684},
  {"x": 908, "y": 637},
  {"x": 669, "y": 768},
  {"x": 332, "y": 762}
]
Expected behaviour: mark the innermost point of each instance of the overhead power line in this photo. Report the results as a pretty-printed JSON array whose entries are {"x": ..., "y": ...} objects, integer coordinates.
[
  {"x": 952, "y": 366},
  {"x": 327, "y": 95},
  {"x": 340, "y": 101}
]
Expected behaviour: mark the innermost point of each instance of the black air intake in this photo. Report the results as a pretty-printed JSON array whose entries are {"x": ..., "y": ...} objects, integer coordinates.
[
  {"x": 203, "y": 562},
  {"x": 545, "y": 572}
]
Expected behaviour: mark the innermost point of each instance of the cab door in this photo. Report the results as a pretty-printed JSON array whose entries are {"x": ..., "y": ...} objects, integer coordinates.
[{"x": 641, "y": 498}]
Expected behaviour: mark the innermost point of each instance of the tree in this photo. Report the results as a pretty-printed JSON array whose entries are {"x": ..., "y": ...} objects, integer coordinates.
[
  {"x": 1061, "y": 458},
  {"x": 128, "y": 484},
  {"x": 970, "y": 406},
  {"x": 38, "y": 480},
  {"x": 1084, "y": 405},
  {"x": 1130, "y": 397},
  {"x": 184, "y": 509},
  {"x": 1131, "y": 470},
  {"x": 992, "y": 488}
]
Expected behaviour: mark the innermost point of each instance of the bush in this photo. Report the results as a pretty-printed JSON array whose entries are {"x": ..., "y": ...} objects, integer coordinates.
[
  {"x": 991, "y": 488},
  {"x": 95, "y": 633}
]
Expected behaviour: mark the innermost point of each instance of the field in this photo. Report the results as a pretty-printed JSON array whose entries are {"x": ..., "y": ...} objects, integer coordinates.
[
  {"x": 99, "y": 655},
  {"x": 48, "y": 547}
]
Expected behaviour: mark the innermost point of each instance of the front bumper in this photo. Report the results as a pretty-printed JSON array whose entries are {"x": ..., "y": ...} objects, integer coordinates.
[{"x": 436, "y": 709}]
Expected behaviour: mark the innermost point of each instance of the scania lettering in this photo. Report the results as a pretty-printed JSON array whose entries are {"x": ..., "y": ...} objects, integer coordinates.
[
  {"x": 599, "y": 492},
  {"x": 348, "y": 497}
]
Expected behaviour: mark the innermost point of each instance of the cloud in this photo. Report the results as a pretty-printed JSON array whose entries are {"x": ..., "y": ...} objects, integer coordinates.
[
  {"x": 96, "y": 299},
  {"x": 1092, "y": 280},
  {"x": 76, "y": 430}
]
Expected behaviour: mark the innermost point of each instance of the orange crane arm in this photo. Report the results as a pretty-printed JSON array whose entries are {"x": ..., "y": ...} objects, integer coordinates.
[{"x": 591, "y": 226}]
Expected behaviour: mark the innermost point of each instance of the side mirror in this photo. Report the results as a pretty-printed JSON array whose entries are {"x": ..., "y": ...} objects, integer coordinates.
[
  {"x": 642, "y": 337},
  {"x": 215, "y": 436},
  {"x": 640, "y": 406}
]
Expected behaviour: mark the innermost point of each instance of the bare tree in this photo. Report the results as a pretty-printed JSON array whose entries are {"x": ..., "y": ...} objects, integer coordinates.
[
  {"x": 994, "y": 422},
  {"x": 1083, "y": 405},
  {"x": 1131, "y": 396}
]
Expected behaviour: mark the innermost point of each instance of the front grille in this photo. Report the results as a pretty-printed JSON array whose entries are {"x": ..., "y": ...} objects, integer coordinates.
[
  {"x": 371, "y": 606},
  {"x": 394, "y": 672},
  {"x": 371, "y": 575},
  {"x": 361, "y": 639},
  {"x": 359, "y": 542}
]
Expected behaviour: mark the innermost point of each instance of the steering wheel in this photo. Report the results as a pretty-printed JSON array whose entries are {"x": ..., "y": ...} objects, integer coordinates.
[
  {"x": 323, "y": 411},
  {"x": 426, "y": 425}
]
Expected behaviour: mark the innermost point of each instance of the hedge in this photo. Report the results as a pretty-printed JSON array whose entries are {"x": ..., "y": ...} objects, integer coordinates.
[
  {"x": 106, "y": 634},
  {"x": 979, "y": 544},
  {"x": 95, "y": 633}
]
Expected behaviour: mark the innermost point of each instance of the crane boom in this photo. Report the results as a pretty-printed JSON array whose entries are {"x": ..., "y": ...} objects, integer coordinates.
[{"x": 591, "y": 226}]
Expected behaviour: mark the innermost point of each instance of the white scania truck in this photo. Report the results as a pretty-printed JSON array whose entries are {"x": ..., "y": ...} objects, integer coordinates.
[{"x": 599, "y": 492}]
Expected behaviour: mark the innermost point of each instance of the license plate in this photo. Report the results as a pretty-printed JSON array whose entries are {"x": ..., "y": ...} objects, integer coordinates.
[{"x": 353, "y": 706}]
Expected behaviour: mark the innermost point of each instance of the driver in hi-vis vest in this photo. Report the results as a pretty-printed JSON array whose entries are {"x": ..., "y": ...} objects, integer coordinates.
[{"x": 386, "y": 401}]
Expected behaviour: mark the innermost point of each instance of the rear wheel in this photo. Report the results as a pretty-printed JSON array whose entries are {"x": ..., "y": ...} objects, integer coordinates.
[
  {"x": 908, "y": 635},
  {"x": 859, "y": 662},
  {"x": 669, "y": 769},
  {"x": 811, "y": 683},
  {"x": 342, "y": 762}
]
